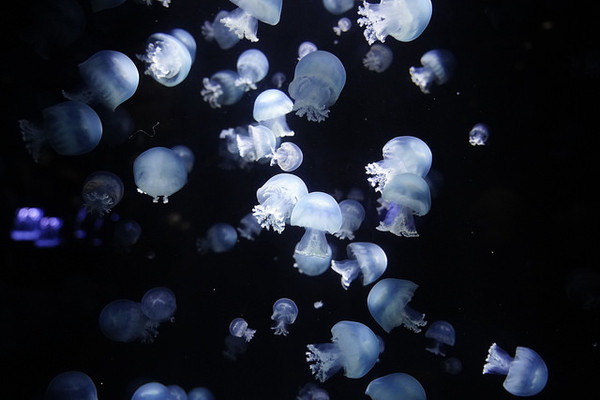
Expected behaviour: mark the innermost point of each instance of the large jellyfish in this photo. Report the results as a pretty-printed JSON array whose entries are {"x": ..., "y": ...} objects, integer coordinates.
[
  {"x": 284, "y": 314},
  {"x": 123, "y": 321},
  {"x": 220, "y": 238},
  {"x": 337, "y": 7},
  {"x": 438, "y": 65},
  {"x": 239, "y": 328},
  {"x": 378, "y": 58},
  {"x": 159, "y": 172},
  {"x": 244, "y": 19},
  {"x": 396, "y": 386},
  {"x": 252, "y": 67},
  {"x": 71, "y": 385},
  {"x": 102, "y": 190},
  {"x": 388, "y": 304},
  {"x": 218, "y": 32},
  {"x": 365, "y": 258},
  {"x": 354, "y": 348},
  {"x": 220, "y": 89},
  {"x": 526, "y": 373},
  {"x": 319, "y": 78},
  {"x": 441, "y": 334},
  {"x": 353, "y": 214},
  {"x": 270, "y": 108},
  {"x": 159, "y": 304}
]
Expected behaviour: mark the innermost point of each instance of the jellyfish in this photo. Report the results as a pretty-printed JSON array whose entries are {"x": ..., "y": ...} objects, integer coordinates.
[
  {"x": 319, "y": 78},
  {"x": 164, "y": 3},
  {"x": 102, "y": 190},
  {"x": 258, "y": 144},
  {"x": 177, "y": 392},
  {"x": 404, "y": 20},
  {"x": 526, "y": 373},
  {"x": 441, "y": 334},
  {"x": 109, "y": 78},
  {"x": 270, "y": 109},
  {"x": 26, "y": 224},
  {"x": 218, "y": 32},
  {"x": 353, "y": 214},
  {"x": 388, "y": 304},
  {"x": 70, "y": 128},
  {"x": 478, "y": 135},
  {"x": 438, "y": 67},
  {"x": 378, "y": 58},
  {"x": 278, "y": 79},
  {"x": 123, "y": 321},
  {"x": 365, "y": 258},
  {"x": 239, "y": 328},
  {"x": 306, "y": 48},
  {"x": 288, "y": 157},
  {"x": 230, "y": 150},
  {"x": 126, "y": 234},
  {"x": 252, "y": 67},
  {"x": 353, "y": 348},
  {"x": 343, "y": 25},
  {"x": 71, "y": 385},
  {"x": 337, "y": 7},
  {"x": 277, "y": 198},
  {"x": 452, "y": 366},
  {"x": 200, "y": 393},
  {"x": 159, "y": 305},
  {"x": 152, "y": 391},
  {"x": 396, "y": 386},
  {"x": 159, "y": 172},
  {"x": 220, "y": 89},
  {"x": 244, "y": 19},
  {"x": 169, "y": 56},
  {"x": 249, "y": 227},
  {"x": 186, "y": 154},
  {"x": 99, "y": 5},
  {"x": 220, "y": 238},
  {"x": 117, "y": 125},
  {"x": 49, "y": 232},
  {"x": 285, "y": 312}
]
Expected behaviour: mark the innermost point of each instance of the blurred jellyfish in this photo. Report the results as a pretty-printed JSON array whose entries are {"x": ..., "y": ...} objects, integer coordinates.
[
  {"x": 159, "y": 172},
  {"x": 102, "y": 190},
  {"x": 123, "y": 321},
  {"x": 354, "y": 347},
  {"x": 378, "y": 58},
  {"x": 478, "y": 136},
  {"x": 319, "y": 78},
  {"x": 343, "y": 25},
  {"x": 70, "y": 128},
  {"x": 367, "y": 259},
  {"x": 71, "y": 385},
  {"x": 187, "y": 156},
  {"x": 310, "y": 391},
  {"x": 117, "y": 125},
  {"x": 49, "y": 232},
  {"x": 353, "y": 214},
  {"x": 337, "y": 7},
  {"x": 526, "y": 373},
  {"x": 234, "y": 347},
  {"x": 126, "y": 234},
  {"x": 278, "y": 79},
  {"x": 177, "y": 392},
  {"x": 404, "y": 20},
  {"x": 388, "y": 304},
  {"x": 288, "y": 157},
  {"x": 26, "y": 224},
  {"x": 284, "y": 314},
  {"x": 270, "y": 109},
  {"x": 152, "y": 391},
  {"x": 159, "y": 304},
  {"x": 258, "y": 144},
  {"x": 220, "y": 89},
  {"x": 164, "y": 3},
  {"x": 452, "y": 366},
  {"x": 252, "y": 67},
  {"x": 239, "y": 328},
  {"x": 249, "y": 227},
  {"x": 220, "y": 238},
  {"x": 438, "y": 67},
  {"x": 306, "y": 48},
  {"x": 441, "y": 334},
  {"x": 318, "y": 304},
  {"x": 218, "y": 32},
  {"x": 99, "y": 5},
  {"x": 200, "y": 393},
  {"x": 244, "y": 19},
  {"x": 396, "y": 386}
]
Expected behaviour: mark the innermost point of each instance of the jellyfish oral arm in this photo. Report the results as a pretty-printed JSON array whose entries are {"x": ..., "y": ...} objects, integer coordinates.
[
  {"x": 242, "y": 24},
  {"x": 423, "y": 77},
  {"x": 325, "y": 359},
  {"x": 497, "y": 362},
  {"x": 398, "y": 220},
  {"x": 348, "y": 269},
  {"x": 313, "y": 243}
]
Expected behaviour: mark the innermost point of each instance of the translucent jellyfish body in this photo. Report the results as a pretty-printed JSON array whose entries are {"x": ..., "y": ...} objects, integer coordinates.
[
  {"x": 277, "y": 198},
  {"x": 438, "y": 66},
  {"x": 319, "y": 78},
  {"x": 404, "y": 20},
  {"x": 343, "y": 25},
  {"x": 123, "y": 321},
  {"x": 337, "y": 7},
  {"x": 220, "y": 89},
  {"x": 169, "y": 56},
  {"x": 249, "y": 228},
  {"x": 126, "y": 234},
  {"x": 102, "y": 190},
  {"x": 441, "y": 334},
  {"x": 258, "y": 144},
  {"x": 159, "y": 172},
  {"x": 218, "y": 32},
  {"x": 364, "y": 258},
  {"x": 159, "y": 304},
  {"x": 220, "y": 238},
  {"x": 244, "y": 19},
  {"x": 353, "y": 214},
  {"x": 177, "y": 392},
  {"x": 70, "y": 128},
  {"x": 152, "y": 391},
  {"x": 378, "y": 58},
  {"x": 318, "y": 213},
  {"x": 278, "y": 79},
  {"x": 396, "y": 386},
  {"x": 288, "y": 156},
  {"x": 200, "y": 393},
  {"x": 306, "y": 48},
  {"x": 252, "y": 67},
  {"x": 526, "y": 373},
  {"x": 388, "y": 304},
  {"x": 270, "y": 109},
  {"x": 478, "y": 135},
  {"x": 109, "y": 78},
  {"x": 71, "y": 385},
  {"x": 239, "y": 328},
  {"x": 285, "y": 312},
  {"x": 353, "y": 348},
  {"x": 187, "y": 156},
  {"x": 310, "y": 391}
]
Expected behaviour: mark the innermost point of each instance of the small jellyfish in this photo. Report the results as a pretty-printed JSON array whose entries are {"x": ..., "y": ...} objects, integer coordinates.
[
  {"x": 71, "y": 385},
  {"x": 159, "y": 304},
  {"x": 365, "y": 258},
  {"x": 388, "y": 304},
  {"x": 278, "y": 79},
  {"x": 239, "y": 328},
  {"x": 186, "y": 154},
  {"x": 123, "y": 321},
  {"x": 526, "y": 373},
  {"x": 396, "y": 386},
  {"x": 441, "y": 334},
  {"x": 126, "y": 234},
  {"x": 220, "y": 89},
  {"x": 270, "y": 109},
  {"x": 318, "y": 304},
  {"x": 252, "y": 67},
  {"x": 353, "y": 214},
  {"x": 343, "y": 25},
  {"x": 102, "y": 190},
  {"x": 159, "y": 172},
  {"x": 244, "y": 19},
  {"x": 310, "y": 391},
  {"x": 438, "y": 67},
  {"x": 220, "y": 238},
  {"x": 306, "y": 48},
  {"x": 26, "y": 224},
  {"x": 285, "y": 312},
  {"x": 404, "y": 20},
  {"x": 354, "y": 348},
  {"x": 478, "y": 136},
  {"x": 337, "y": 7},
  {"x": 378, "y": 58},
  {"x": 288, "y": 157},
  {"x": 49, "y": 232},
  {"x": 319, "y": 78},
  {"x": 257, "y": 145},
  {"x": 152, "y": 391},
  {"x": 109, "y": 78},
  {"x": 249, "y": 227},
  {"x": 200, "y": 393},
  {"x": 218, "y": 32}
]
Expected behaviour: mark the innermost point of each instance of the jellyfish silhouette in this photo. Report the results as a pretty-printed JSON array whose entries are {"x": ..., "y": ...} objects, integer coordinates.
[{"x": 71, "y": 385}]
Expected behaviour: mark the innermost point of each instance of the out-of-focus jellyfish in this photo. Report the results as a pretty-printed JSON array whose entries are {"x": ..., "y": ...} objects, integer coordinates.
[
  {"x": 478, "y": 135},
  {"x": 164, "y": 3},
  {"x": 337, "y": 7},
  {"x": 284, "y": 314},
  {"x": 126, "y": 234},
  {"x": 239, "y": 328},
  {"x": 177, "y": 392},
  {"x": 186, "y": 154},
  {"x": 159, "y": 304},
  {"x": 249, "y": 227},
  {"x": 49, "y": 232},
  {"x": 70, "y": 128},
  {"x": 270, "y": 109},
  {"x": 318, "y": 213},
  {"x": 109, "y": 78},
  {"x": 117, "y": 125},
  {"x": 396, "y": 386},
  {"x": 319, "y": 78},
  {"x": 258, "y": 144},
  {"x": 353, "y": 214},
  {"x": 99, "y": 5},
  {"x": 441, "y": 334},
  {"x": 378, "y": 58},
  {"x": 388, "y": 304},
  {"x": 354, "y": 347},
  {"x": 365, "y": 258},
  {"x": 200, "y": 393},
  {"x": 278, "y": 79},
  {"x": 318, "y": 304},
  {"x": 404, "y": 20},
  {"x": 244, "y": 19},
  {"x": 229, "y": 149},
  {"x": 219, "y": 238},
  {"x": 159, "y": 172},
  {"x": 123, "y": 321},
  {"x": 452, "y": 366},
  {"x": 438, "y": 67},
  {"x": 288, "y": 157},
  {"x": 152, "y": 391},
  {"x": 218, "y": 32},
  {"x": 26, "y": 225},
  {"x": 252, "y": 67},
  {"x": 71, "y": 385},
  {"x": 310, "y": 391},
  {"x": 277, "y": 198},
  {"x": 234, "y": 347},
  {"x": 306, "y": 48},
  {"x": 526, "y": 373},
  {"x": 220, "y": 89},
  {"x": 343, "y": 25},
  {"x": 102, "y": 190}
]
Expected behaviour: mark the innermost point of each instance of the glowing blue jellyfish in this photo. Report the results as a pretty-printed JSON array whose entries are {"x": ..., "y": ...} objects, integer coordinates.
[
  {"x": 26, "y": 224},
  {"x": 343, "y": 25},
  {"x": 378, "y": 58},
  {"x": 319, "y": 78},
  {"x": 365, "y": 258},
  {"x": 442, "y": 334},
  {"x": 396, "y": 386},
  {"x": 159, "y": 304},
  {"x": 70, "y": 128},
  {"x": 478, "y": 135},
  {"x": 123, "y": 321},
  {"x": 218, "y": 32},
  {"x": 239, "y": 328},
  {"x": 177, "y": 392},
  {"x": 249, "y": 227},
  {"x": 270, "y": 109},
  {"x": 220, "y": 238},
  {"x": 353, "y": 214},
  {"x": 526, "y": 373},
  {"x": 252, "y": 67},
  {"x": 159, "y": 172},
  {"x": 126, "y": 234},
  {"x": 49, "y": 232},
  {"x": 306, "y": 48},
  {"x": 354, "y": 348},
  {"x": 288, "y": 157},
  {"x": 318, "y": 213},
  {"x": 277, "y": 198},
  {"x": 404, "y": 20},
  {"x": 200, "y": 393},
  {"x": 310, "y": 391},
  {"x": 99, "y": 5},
  {"x": 220, "y": 89},
  {"x": 186, "y": 154},
  {"x": 71, "y": 385},
  {"x": 337, "y": 7},
  {"x": 257, "y": 145},
  {"x": 109, "y": 78},
  {"x": 278, "y": 79},
  {"x": 388, "y": 304},
  {"x": 102, "y": 190},
  {"x": 152, "y": 391},
  {"x": 244, "y": 19},
  {"x": 438, "y": 67},
  {"x": 285, "y": 312}
]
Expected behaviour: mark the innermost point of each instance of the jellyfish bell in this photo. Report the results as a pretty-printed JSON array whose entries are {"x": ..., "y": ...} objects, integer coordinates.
[
  {"x": 364, "y": 258},
  {"x": 220, "y": 89},
  {"x": 218, "y": 32},
  {"x": 441, "y": 334},
  {"x": 388, "y": 304},
  {"x": 252, "y": 66},
  {"x": 102, "y": 191},
  {"x": 169, "y": 56},
  {"x": 285, "y": 312},
  {"x": 396, "y": 386},
  {"x": 71, "y": 385},
  {"x": 378, "y": 58},
  {"x": 159, "y": 172},
  {"x": 438, "y": 66}
]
